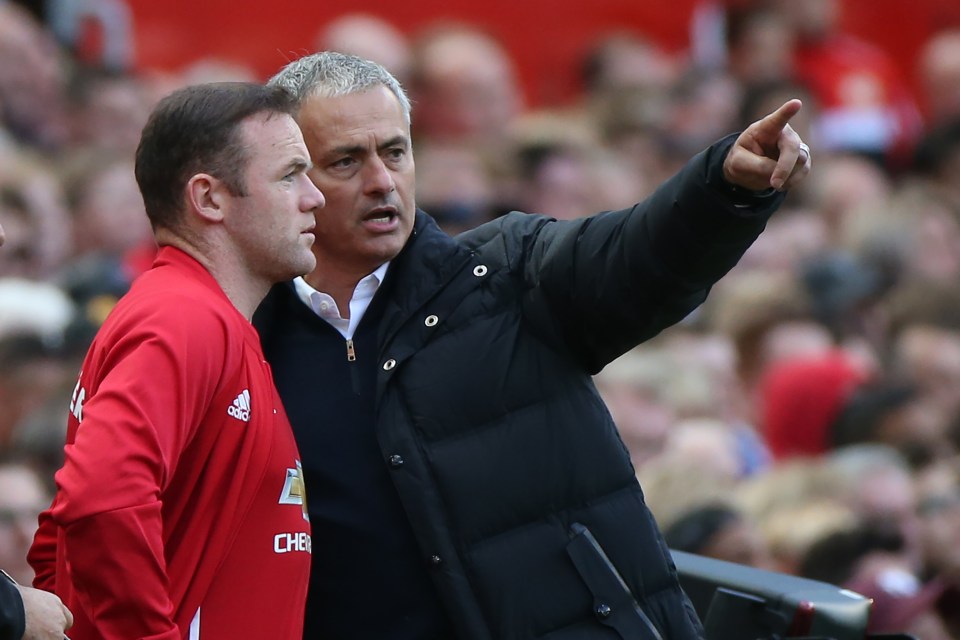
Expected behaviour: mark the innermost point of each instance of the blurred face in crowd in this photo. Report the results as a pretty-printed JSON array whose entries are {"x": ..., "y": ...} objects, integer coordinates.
[
  {"x": 931, "y": 356},
  {"x": 36, "y": 221},
  {"x": 740, "y": 541},
  {"x": 453, "y": 184},
  {"x": 19, "y": 255},
  {"x": 812, "y": 18},
  {"x": 110, "y": 215},
  {"x": 22, "y": 498},
  {"x": 940, "y": 530},
  {"x": 888, "y": 495},
  {"x": 368, "y": 37},
  {"x": 764, "y": 50},
  {"x": 939, "y": 71},
  {"x": 363, "y": 163},
  {"x": 112, "y": 113},
  {"x": 31, "y": 78},
  {"x": 642, "y": 418},
  {"x": 465, "y": 87}
]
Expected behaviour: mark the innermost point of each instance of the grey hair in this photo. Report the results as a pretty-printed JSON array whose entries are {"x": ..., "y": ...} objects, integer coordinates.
[{"x": 330, "y": 74}]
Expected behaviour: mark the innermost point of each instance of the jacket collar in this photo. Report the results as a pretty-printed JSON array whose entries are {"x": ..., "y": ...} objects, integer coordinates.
[{"x": 429, "y": 260}]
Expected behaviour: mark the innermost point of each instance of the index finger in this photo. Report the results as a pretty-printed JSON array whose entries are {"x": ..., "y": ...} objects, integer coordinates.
[{"x": 774, "y": 123}]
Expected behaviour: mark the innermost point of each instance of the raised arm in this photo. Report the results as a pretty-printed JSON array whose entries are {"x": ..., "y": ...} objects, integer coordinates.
[{"x": 601, "y": 285}]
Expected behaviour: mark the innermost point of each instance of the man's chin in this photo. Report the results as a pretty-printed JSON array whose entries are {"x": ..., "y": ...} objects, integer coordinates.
[
  {"x": 302, "y": 267},
  {"x": 389, "y": 250}
]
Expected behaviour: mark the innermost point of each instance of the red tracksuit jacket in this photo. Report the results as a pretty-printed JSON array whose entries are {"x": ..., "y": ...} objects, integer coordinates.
[{"x": 179, "y": 510}]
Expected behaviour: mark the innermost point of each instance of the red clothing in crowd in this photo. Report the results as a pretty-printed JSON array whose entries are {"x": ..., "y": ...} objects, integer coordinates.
[
  {"x": 800, "y": 399},
  {"x": 179, "y": 509},
  {"x": 865, "y": 104}
]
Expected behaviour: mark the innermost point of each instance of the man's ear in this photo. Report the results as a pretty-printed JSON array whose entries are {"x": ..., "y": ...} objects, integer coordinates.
[{"x": 207, "y": 197}]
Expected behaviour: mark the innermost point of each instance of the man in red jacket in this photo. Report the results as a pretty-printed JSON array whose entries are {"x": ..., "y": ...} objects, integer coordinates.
[{"x": 179, "y": 508}]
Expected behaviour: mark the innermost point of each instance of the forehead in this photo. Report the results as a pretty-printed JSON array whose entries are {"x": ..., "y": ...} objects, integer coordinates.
[
  {"x": 268, "y": 127},
  {"x": 272, "y": 135},
  {"x": 329, "y": 122}
]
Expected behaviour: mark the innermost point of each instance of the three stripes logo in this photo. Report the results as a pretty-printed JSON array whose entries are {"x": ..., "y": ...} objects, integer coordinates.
[{"x": 240, "y": 409}]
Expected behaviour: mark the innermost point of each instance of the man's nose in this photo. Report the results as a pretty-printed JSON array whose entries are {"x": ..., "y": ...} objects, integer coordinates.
[
  {"x": 313, "y": 198},
  {"x": 378, "y": 178}
]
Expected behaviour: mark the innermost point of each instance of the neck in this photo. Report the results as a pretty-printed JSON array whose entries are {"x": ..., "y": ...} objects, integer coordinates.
[
  {"x": 244, "y": 290},
  {"x": 245, "y": 295}
]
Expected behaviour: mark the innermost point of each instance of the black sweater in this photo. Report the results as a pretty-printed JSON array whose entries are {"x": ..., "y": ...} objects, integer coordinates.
[{"x": 362, "y": 542}]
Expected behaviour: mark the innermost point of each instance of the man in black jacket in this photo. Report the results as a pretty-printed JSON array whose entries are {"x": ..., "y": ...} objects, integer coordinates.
[{"x": 464, "y": 479}]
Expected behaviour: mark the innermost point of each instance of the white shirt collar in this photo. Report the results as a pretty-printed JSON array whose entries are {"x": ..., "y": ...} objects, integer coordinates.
[{"x": 324, "y": 305}]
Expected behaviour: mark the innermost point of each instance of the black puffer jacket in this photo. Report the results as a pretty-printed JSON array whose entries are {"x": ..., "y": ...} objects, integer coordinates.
[
  {"x": 12, "y": 619},
  {"x": 514, "y": 475},
  {"x": 510, "y": 470}
]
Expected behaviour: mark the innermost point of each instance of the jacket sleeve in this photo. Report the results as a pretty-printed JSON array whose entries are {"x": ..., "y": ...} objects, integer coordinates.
[
  {"x": 43, "y": 553},
  {"x": 12, "y": 618},
  {"x": 601, "y": 285},
  {"x": 140, "y": 415}
]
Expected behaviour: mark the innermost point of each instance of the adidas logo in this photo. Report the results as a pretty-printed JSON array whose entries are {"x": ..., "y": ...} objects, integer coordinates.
[{"x": 240, "y": 409}]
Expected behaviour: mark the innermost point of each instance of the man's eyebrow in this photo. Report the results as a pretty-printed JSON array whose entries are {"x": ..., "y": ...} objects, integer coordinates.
[
  {"x": 353, "y": 149},
  {"x": 347, "y": 150},
  {"x": 299, "y": 164},
  {"x": 393, "y": 142}
]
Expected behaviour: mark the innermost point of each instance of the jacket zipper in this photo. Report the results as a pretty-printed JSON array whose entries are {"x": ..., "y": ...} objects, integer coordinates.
[{"x": 351, "y": 354}]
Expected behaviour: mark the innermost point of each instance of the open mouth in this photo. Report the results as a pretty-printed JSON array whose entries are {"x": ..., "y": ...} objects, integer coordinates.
[{"x": 382, "y": 219}]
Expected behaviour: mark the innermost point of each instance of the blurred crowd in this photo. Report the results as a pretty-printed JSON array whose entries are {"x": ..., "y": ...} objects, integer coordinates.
[{"x": 805, "y": 419}]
